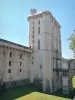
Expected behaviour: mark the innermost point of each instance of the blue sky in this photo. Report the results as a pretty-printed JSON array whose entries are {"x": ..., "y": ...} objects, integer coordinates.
[{"x": 14, "y": 24}]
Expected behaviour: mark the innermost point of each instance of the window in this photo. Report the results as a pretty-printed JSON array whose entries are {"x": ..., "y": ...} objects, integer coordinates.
[
  {"x": 33, "y": 41},
  {"x": 33, "y": 36},
  {"x": 20, "y": 56},
  {"x": 33, "y": 27},
  {"x": 39, "y": 22},
  {"x": 38, "y": 29},
  {"x": 20, "y": 63},
  {"x": 40, "y": 66},
  {"x": 9, "y": 63},
  {"x": 38, "y": 44},
  {"x": 33, "y": 22},
  {"x": 10, "y": 54},
  {"x": 9, "y": 70},
  {"x": 33, "y": 32},
  {"x": 20, "y": 70},
  {"x": 32, "y": 62}
]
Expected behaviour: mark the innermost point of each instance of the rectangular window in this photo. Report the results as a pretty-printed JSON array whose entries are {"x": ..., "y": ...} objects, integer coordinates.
[
  {"x": 33, "y": 22},
  {"x": 32, "y": 62},
  {"x": 9, "y": 63},
  {"x": 20, "y": 70},
  {"x": 33, "y": 36},
  {"x": 20, "y": 56},
  {"x": 39, "y": 22},
  {"x": 33, "y": 32},
  {"x": 20, "y": 63},
  {"x": 38, "y": 44},
  {"x": 33, "y": 27},
  {"x": 38, "y": 29},
  {"x": 33, "y": 41},
  {"x": 40, "y": 66},
  {"x": 9, "y": 70},
  {"x": 10, "y": 54}
]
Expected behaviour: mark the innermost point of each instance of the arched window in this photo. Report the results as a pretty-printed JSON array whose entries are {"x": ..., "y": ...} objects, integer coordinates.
[{"x": 38, "y": 44}]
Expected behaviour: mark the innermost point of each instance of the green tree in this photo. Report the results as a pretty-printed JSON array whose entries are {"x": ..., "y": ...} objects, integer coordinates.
[{"x": 72, "y": 43}]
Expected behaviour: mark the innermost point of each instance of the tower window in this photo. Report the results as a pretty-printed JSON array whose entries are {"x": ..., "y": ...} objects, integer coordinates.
[
  {"x": 10, "y": 54},
  {"x": 33, "y": 32},
  {"x": 38, "y": 29},
  {"x": 39, "y": 22},
  {"x": 20, "y": 70},
  {"x": 38, "y": 44},
  {"x": 33, "y": 27},
  {"x": 9, "y": 70},
  {"x": 33, "y": 36},
  {"x": 33, "y": 22},
  {"x": 9, "y": 63},
  {"x": 32, "y": 62},
  {"x": 33, "y": 41},
  {"x": 20, "y": 63},
  {"x": 40, "y": 66}
]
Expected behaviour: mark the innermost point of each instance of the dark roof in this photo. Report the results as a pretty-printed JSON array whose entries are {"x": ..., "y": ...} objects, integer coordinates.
[{"x": 2, "y": 40}]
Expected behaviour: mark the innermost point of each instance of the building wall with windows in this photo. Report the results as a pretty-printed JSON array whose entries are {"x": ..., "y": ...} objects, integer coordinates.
[{"x": 15, "y": 61}]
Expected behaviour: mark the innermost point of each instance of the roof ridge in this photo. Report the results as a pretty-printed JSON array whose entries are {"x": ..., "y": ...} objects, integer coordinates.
[{"x": 13, "y": 43}]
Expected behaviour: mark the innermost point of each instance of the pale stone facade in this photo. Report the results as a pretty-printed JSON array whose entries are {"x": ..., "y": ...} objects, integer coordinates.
[
  {"x": 45, "y": 39},
  {"x": 15, "y": 61}
]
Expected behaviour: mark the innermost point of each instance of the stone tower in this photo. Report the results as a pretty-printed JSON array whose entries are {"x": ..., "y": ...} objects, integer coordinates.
[{"x": 45, "y": 39}]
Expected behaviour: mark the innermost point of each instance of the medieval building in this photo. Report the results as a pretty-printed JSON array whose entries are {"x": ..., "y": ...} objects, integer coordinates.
[{"x": 40, "y": 62}]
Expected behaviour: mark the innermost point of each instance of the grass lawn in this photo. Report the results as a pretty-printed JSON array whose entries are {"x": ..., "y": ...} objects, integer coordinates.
[
  {"x": 27, "y": 93},
  {"x": 40, "y": 96}
]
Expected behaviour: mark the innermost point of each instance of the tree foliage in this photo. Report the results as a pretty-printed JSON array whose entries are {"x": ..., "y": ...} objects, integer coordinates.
[{"x": 72, "y": 43}]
